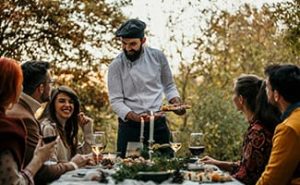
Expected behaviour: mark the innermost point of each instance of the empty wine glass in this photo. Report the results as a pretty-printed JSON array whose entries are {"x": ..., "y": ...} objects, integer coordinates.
[
  {"x": 175, "y": 142},
  {"x": 197, "y": 144},
  {"x": 98, "y": 144}
]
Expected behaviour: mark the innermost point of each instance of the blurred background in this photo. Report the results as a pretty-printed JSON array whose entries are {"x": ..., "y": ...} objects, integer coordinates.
[{"x": 208, "y": 44}]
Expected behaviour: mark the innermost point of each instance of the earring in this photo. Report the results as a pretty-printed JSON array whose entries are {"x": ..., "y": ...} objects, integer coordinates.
[
  {"x": 276, "y": 96},
  {"x": 41, "y": 88},
  {"x": 10, "y": 106}
]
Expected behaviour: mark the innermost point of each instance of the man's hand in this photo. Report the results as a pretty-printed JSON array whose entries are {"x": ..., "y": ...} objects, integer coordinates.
[
  {"x": 177, "y": 101},
  {"x": 156, "y": 115},
  {"x": 132, "y": 116},
  {"x": 146, "y": 116}
]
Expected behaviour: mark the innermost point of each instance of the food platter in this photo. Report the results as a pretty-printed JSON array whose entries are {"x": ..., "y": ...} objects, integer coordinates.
[
  {"x": 200, "y": 172},
  {"x": 207, "y": 176},
  {"x": 174, "y": 107}
]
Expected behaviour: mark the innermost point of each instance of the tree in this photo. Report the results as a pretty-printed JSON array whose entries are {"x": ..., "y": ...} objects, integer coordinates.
[
  {"x": 63, "y": 31},
  {"x": 230, "y": 44},
  {"x": 287, "y": 15},
  {"x": 242, "y": 42},
  {"x": 76, "y": 36}
]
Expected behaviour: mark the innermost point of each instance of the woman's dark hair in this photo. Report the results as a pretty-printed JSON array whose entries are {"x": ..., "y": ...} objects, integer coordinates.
[
  {"x": 252, "y": 89},
  {"x": 70, "y": 130},
  {"x": 266, "y": 113},
  {"x": 248, "y": 87}
]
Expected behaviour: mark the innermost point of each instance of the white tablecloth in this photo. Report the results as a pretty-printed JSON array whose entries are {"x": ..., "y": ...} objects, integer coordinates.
[{"x": 73, "y": 178}]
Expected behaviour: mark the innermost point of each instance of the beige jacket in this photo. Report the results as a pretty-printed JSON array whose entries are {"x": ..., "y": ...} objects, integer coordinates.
[{"x": 63, "y": 152}]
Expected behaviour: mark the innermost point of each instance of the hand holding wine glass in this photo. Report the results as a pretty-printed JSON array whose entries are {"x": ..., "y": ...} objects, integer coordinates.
[
  {"x": 175, "y": 142},
  {"x": 49, "y": 136},
  {"x": 197, "y": 145}
]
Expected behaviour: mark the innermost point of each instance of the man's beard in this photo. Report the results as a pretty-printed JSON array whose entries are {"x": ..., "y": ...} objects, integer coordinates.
[
  {"x": 45, "y": 97},
  {"x": 272, "y": 102},
  {"x": 134, "y": 55}
]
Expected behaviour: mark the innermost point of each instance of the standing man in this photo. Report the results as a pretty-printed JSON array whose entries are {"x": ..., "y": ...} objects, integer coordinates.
[
  {"x": 36, "y": 90},
  {"x": 283, "y": 90},
  {"x": 137, "y": 79}
]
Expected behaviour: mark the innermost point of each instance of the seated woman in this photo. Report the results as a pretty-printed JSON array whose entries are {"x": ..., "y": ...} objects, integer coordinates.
[
  {"x": 250, "y": 98},
  {"x": 62, "y": 117},
  {"x": 13, "y": 132}
]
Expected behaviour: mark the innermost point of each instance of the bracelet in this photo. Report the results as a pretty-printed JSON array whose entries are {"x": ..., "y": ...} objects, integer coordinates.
[
  {"x": 74, "y": 165},
  {"x": 29, "y": 175}
]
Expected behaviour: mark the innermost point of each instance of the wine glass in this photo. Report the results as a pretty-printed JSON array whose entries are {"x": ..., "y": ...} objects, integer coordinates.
[
  {"x": 175, "y": 142},
  {"x": 197, "y": 145},
  {"x": 98, "y": 144},
  {"x": 49, "y": 137}
]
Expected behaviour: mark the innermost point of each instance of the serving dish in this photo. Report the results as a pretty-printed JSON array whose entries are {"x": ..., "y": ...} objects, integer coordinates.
[{"x": 154, "y": 176}]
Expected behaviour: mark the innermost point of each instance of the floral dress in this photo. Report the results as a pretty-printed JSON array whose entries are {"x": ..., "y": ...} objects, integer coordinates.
[{"x": 256, "y": 152}]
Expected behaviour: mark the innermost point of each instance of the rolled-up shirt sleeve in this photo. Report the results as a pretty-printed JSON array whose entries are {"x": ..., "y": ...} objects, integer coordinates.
[
  {"x": 170, "y": 89},
  {"x": 116, "y": 96}
]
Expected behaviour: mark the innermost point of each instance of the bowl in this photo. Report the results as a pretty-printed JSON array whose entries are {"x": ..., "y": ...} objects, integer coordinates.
[{"x": 154, "y": 176}]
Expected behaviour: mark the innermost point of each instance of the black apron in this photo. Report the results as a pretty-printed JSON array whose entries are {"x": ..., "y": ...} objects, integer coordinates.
[{"x": 130, "y": 132}]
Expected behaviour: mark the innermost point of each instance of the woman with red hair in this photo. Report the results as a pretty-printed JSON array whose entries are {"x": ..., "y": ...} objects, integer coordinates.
[{"x": 13, "y": 132}]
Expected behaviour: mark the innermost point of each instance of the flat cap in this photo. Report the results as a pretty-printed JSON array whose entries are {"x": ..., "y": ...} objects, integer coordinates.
[{"x": 133, "y": 28}]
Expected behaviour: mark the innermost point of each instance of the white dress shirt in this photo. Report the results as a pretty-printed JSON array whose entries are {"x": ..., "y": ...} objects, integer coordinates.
[{"x": 139, "y": 86}]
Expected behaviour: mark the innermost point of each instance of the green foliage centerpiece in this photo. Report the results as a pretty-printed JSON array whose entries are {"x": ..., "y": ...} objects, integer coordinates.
[{"x": 157, "y": 164}]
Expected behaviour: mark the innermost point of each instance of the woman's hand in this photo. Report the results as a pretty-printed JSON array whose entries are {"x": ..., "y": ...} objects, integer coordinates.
[
  {"x": 224, "y": 165},
  {"x": 90, "y": 158},
  {"x": 41, "y": 154},
  {"x": 86, "y": 124},
  {"x": 44, "y": 152},
  {"x": 83, "y": 119},
  {"x": 209, "y": 160},
  {"x": 80, "y": 160}
]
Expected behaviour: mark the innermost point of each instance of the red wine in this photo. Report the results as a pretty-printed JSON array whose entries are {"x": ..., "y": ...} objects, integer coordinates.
[
  {"x": 49, "y": 139},
  {"x": 196, "y": 150}
]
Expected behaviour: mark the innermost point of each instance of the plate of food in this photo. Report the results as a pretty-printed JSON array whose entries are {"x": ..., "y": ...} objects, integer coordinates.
[
  {"x": 174, "y": 107},
  {"x": 207, "y": 176},
  {"x": 158, "y": 177}
]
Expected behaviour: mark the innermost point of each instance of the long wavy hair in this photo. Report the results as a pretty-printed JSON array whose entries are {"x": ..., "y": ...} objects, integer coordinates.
[
  {"x": 68, "y": 133},
  {"x": 252, "y": 89},
  {"x": 268, "y": 114}
]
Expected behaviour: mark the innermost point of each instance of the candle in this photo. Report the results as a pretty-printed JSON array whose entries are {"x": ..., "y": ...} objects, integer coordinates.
[
  {"x": 151, "y": 132},
  {"x": 142, "y": 130},
  {"x": 111, "y": 157}
]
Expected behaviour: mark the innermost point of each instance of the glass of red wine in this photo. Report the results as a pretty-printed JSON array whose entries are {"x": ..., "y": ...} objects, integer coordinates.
[
  {"x": 48, "y": 138},
  {"x": 196, "y": 145}
]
